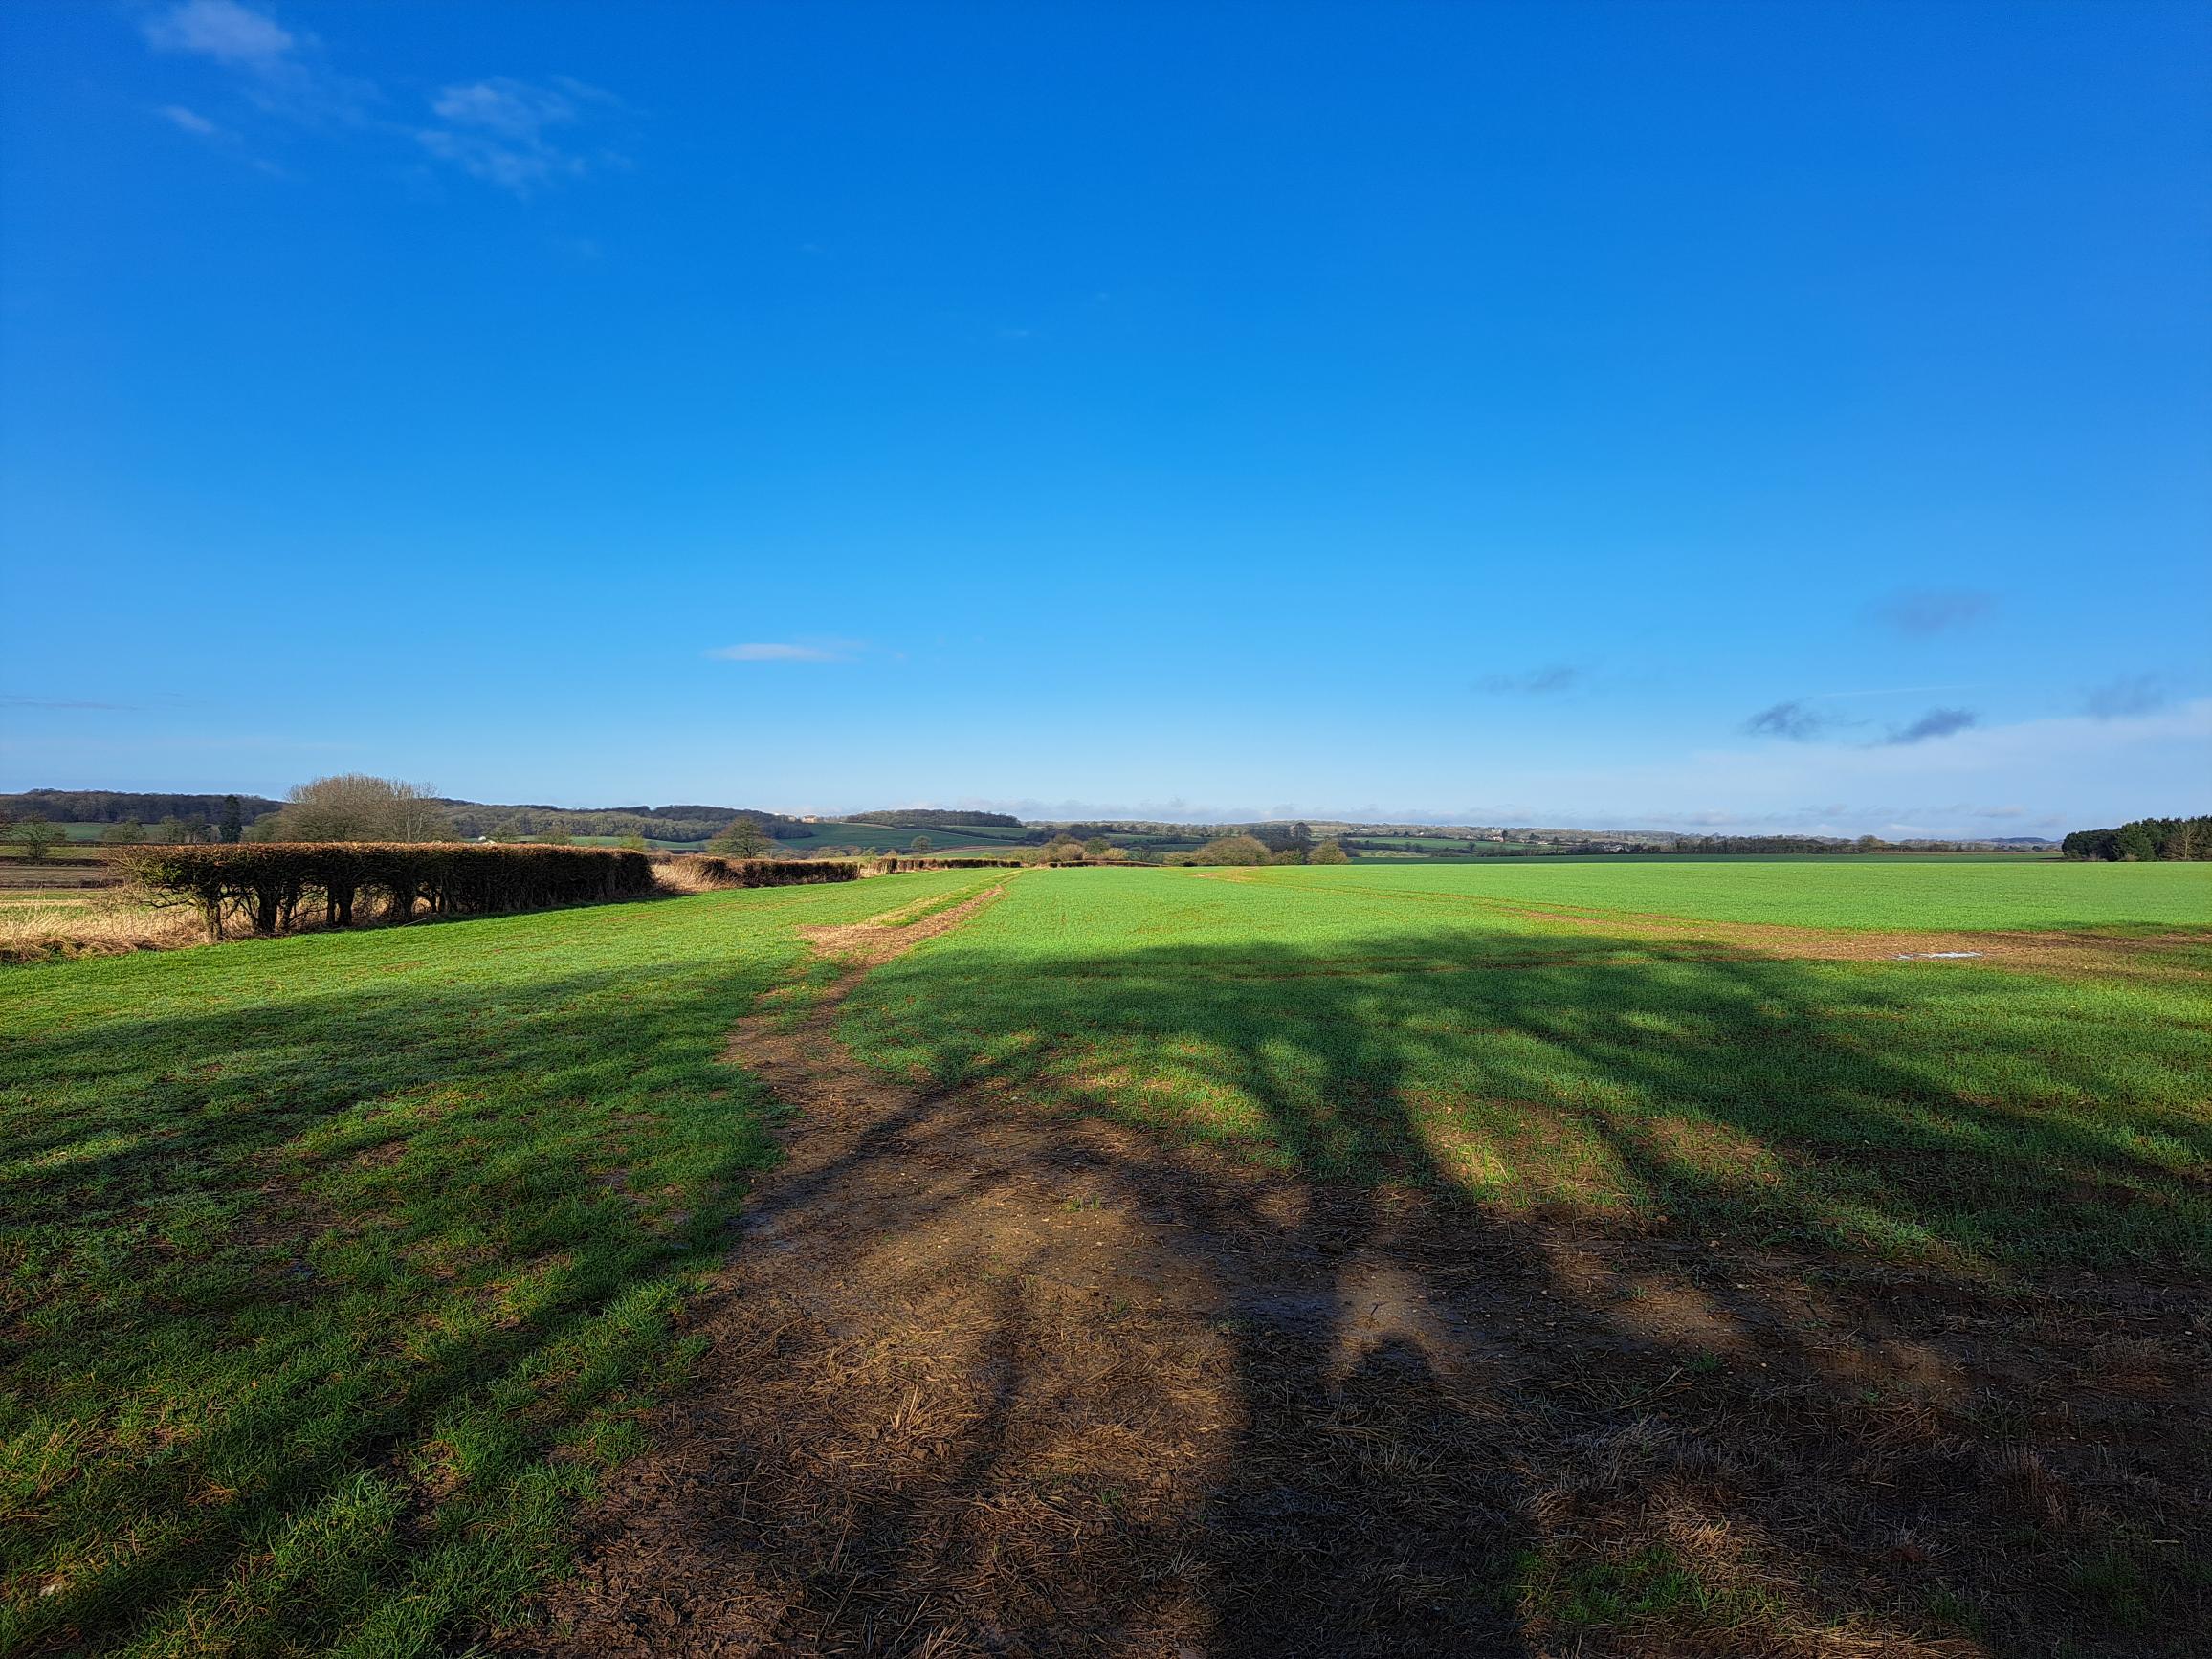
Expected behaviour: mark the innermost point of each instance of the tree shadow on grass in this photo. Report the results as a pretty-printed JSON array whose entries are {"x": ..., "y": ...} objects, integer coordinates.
[
  {"x": 322, "y": 1304},
  {"x": 1755, "y": 1347},
  {"x": 419, "y": 1239}
]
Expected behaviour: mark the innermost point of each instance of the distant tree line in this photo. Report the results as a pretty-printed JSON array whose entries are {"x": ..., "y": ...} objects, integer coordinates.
[
  {"x": 1826, "y": 845},
  {"x": 1822, "y": 845},
  {"x": 2142, "y": 840},
  {"x": 209, "y": 817},
  {"x": 935, "y": 818},
  {"x": 113, "y": 806},
  {"x": 688, "y": 822},
  {"x": 25, "y": 824}
]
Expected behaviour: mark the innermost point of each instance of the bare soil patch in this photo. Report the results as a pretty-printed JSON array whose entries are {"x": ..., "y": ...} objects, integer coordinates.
[{"x": 984, "y": 1380}]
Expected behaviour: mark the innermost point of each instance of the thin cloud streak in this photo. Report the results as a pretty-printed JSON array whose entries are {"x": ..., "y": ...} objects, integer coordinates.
[
  {"x": 790, "y": 651},
  {"x": 190, "y": 121},
  {"x": 1891, "y": 691},
  {"x": 15, "y": 700},
  {"x": 1559, "y": 676}
]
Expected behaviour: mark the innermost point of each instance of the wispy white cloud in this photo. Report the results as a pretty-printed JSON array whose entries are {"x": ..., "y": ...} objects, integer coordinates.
[
  {"x": 497, "y": 129},
  {"x": 216, "y": 137},
  {"x": 790, "y": 650},
  {"x": 278, "y": 69},
  {"x": 190, "y": 121},
  {"x": 224, "y": 31}
]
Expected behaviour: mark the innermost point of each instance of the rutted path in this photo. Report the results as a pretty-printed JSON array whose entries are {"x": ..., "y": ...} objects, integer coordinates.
[
  {"x": 980, "y": 1378},
  {"x": 978, "y": 1382}
]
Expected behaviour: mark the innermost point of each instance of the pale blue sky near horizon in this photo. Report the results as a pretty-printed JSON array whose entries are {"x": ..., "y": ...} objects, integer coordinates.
[{"x": 1768, "y": 417}]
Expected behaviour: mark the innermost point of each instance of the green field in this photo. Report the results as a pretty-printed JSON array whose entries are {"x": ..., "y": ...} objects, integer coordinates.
[
  {"x": 2000, "y": 891},
  {"x": 336, "y": 1265},
  {"x": 1390, "y": 1021},
  {"x": 338, "y": 1268}
]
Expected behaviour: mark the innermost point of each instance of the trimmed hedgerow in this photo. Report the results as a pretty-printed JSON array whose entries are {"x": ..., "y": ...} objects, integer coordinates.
[
  {"x": 706, "y": 870},
  {"x": 266, "y": 883}
]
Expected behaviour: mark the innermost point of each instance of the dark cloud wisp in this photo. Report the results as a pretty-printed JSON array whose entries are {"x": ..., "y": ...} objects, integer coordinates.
[
  {"x": 1920, "y": 612},
  {"x": 1934, "y": 723},
  {"x": 2132, "y": 694},
  {"x": 1791, "y": 719}
]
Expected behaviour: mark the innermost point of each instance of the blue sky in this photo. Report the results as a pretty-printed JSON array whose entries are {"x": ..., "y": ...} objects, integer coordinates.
[{"x": 1757, "y": 416}]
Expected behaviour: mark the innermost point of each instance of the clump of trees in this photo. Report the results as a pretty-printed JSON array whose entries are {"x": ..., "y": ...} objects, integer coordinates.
[
  {"x": 1227, "y": 849},
  {"x": 2142, "y": 840},
  {"x": 1267, "y": 844},
  {"x": 355, "y": 806}
]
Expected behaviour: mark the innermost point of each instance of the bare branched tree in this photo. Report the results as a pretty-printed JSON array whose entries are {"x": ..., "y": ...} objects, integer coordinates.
[{"x": 354, "y": 806}]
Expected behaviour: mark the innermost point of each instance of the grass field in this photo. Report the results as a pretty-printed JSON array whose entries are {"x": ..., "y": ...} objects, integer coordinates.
[
  {"x": 1430, "y": 1025},
  {"x": 338, "y": 1270},
  {"x": 336, "y": 1265},
  {"x": 2000, "y": 891}
]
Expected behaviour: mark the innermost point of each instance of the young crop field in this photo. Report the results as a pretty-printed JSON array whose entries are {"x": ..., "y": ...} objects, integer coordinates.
[{"x": 1521, "y": 1257}]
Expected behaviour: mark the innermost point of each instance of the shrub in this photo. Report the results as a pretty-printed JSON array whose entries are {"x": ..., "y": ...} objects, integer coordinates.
[
  {"x": 36, "y": 837},
  {"x": 1233, "y": 850},
  {"x": 267, "y": 882}
]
